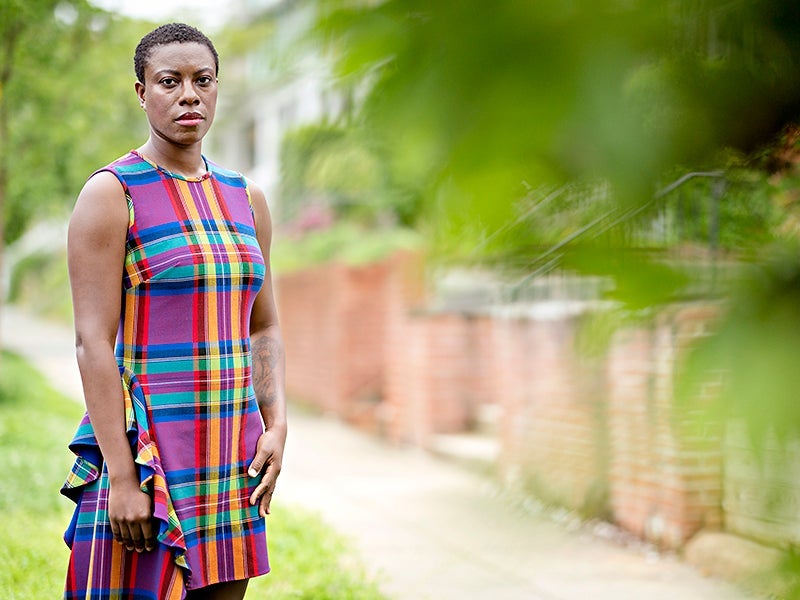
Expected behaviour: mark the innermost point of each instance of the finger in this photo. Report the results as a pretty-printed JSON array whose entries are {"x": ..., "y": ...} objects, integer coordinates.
[
  {"x": 116, "y": 532},
  {"x": 260, "y": 490},
  {"x": 263, "y": 456},
  {"x": 148, "y": 532},
  {"x": 266, "y": 499},
  {"x": 264, "y": 490},
  {"x": 127, "y": 537},
  {"x": 138, "y": 537},
  {"x": 258, "y": 463}
]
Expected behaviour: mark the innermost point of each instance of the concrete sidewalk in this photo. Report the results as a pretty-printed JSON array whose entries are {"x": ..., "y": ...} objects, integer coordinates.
[{"x": 425, "y": 527}]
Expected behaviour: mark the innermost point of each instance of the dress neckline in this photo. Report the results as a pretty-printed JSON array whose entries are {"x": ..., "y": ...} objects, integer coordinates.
[{"x": 172, "y": 174}]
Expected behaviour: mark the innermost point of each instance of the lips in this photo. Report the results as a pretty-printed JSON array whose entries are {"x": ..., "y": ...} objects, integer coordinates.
[{"x": 190, "y": 119}]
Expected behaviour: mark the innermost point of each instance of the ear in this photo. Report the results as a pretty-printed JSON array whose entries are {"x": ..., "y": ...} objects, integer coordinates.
[{"x": 139, "y": 87}]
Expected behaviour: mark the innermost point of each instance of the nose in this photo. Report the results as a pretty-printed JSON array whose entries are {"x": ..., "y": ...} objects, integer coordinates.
[{"x": 189, "y": 94}]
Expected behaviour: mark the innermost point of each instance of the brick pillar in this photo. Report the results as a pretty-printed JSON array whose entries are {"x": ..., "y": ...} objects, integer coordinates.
[
  {"x": 334, "y": 324},
  {"x": 666, "y": 461},
  {"x": 307, "y": 304},
  {"x": 553, "y": 425},
  {"x": 437, "y": 365},
  {"x": 359, "y": 358},
  {"x": 405, "y": 352}
]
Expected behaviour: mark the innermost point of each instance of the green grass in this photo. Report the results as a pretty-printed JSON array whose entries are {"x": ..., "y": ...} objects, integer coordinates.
[
  {"x": 309, "y": 561},
  {"x": 36, "y": 424}
]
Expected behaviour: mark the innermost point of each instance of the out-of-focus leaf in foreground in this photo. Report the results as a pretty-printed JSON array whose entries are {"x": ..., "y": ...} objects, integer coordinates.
[
  {"x": 480, "y": 101},
  {"x": 755, "y": 354}
]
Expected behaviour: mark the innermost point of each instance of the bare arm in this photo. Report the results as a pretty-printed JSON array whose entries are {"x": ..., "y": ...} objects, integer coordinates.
[
  {"x": 268, "y": 369},
  {"x": 95, "y": 256}
]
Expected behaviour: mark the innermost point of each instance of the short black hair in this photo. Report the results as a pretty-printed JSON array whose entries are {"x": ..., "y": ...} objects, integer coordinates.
[{"x": 169, "y": 34}]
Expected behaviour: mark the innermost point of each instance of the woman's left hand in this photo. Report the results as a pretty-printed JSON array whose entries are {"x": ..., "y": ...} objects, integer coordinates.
[{"x": 268, "y": 459}]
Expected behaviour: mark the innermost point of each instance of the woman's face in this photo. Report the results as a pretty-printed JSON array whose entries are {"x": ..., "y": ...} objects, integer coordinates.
[{"x": 179, "y": 93}]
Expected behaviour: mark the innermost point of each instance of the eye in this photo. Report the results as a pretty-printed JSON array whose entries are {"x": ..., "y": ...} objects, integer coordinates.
[
  {"x": 169, "y": 82},
  {"x": 204, "y": 80}
]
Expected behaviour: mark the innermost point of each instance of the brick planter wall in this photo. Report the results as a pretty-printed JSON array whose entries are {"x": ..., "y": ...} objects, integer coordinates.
[
  {"x": 307, "y": 306},
  {"x": 333, "y": 320},
  {"x": 762, "y": 486},
  {"x": 666, "y": 464},
  {"x": 553, "y": 412},
  {"x": 437, "y": 374},
  {"x": 605, "y": 436}
]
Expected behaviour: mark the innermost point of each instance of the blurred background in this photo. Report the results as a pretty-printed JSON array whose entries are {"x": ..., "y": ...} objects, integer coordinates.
[{"x": 556, "y": 240}]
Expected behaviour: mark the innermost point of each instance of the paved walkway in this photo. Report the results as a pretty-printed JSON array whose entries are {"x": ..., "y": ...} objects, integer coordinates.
[{"x": 425, "y": 527}]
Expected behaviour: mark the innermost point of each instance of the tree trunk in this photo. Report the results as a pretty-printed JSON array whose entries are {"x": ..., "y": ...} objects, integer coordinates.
[
  {"x": 9, "y": 46},
  {"x": 3, "y": 189}
]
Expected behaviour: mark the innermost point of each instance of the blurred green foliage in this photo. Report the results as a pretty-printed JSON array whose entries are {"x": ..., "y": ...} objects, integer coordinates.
[
  {"x": 67, "y": 99},
  {"x": 482, "y": 106},
  {"x": 39, "y": 281},
  {"x": 35, "y": 421},
  {"x": 753, "y": 356},
  {"x": 333, "y": 166},
  {"x": 346, "y": 242},
  {"x": 312, "y": 561}
]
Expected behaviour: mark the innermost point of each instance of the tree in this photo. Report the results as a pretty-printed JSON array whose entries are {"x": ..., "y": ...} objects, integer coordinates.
[
  {"x": 66, "y": 104},
  {"x": 16, "y": 18},
  {"x": 331, "y": 166}
]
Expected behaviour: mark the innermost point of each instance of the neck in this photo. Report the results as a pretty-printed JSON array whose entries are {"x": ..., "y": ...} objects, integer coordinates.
[{"x": 186, "y": 161}]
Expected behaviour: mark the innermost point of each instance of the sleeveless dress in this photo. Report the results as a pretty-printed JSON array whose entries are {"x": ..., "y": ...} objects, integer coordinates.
[{"x": 192, "y": 270}]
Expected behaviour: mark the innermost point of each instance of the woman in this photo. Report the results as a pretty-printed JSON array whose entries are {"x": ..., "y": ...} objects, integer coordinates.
[{"x": 183, "y": 440}]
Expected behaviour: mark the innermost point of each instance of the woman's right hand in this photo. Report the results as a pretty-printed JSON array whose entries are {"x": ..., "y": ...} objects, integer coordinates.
[{"x": 130, "y": 512}]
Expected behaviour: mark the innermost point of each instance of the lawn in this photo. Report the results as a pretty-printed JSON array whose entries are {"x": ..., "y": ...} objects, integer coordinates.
[{"x": 309, "y": 560}]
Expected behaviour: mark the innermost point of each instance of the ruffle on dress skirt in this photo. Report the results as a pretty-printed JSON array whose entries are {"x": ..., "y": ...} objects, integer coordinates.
[{"x": 99, "y": 566}]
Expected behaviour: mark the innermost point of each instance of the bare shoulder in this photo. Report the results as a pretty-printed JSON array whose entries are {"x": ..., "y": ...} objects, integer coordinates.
[
  {"x": 260, "y": 207},
  {"x": 101, "y": 207},
  {"x": 103, "y": 185},
  {"x": 98, "y": 229}
]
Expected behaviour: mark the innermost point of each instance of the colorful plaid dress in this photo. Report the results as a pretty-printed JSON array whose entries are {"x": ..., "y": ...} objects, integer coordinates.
[{"x": 192, "y": 270}]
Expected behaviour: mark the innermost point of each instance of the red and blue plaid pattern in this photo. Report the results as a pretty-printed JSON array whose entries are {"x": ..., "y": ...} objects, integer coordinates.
[{"x": 192, "y": 270}]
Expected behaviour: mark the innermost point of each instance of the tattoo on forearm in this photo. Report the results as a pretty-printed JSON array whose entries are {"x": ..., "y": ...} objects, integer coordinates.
[{"x": 266, "y": 353}]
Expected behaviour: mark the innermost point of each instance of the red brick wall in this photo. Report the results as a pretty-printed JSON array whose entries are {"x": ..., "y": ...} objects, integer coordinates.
[
  {"x": 666, "y": 462},
  {"x": 437, "y": 374},
  {"x": 308, "y": 305},
  {"x": 553, "y": 405},
  {"x": 362, "y": 321},
  {"x": 593, "y": 435},
  {"x": 333, "y": 321}
]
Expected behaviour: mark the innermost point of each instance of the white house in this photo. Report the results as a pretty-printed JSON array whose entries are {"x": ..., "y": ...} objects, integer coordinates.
[{"x": 281, "y": 83}]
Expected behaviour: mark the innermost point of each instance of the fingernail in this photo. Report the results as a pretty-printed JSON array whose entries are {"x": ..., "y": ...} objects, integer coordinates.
[{"x": 252, "y": 472}]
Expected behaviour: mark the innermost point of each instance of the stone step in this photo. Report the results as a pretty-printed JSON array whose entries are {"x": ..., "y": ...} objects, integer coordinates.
[
  {"x": 477, "y": 451},
  {"x": 487, "y": 419}
]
